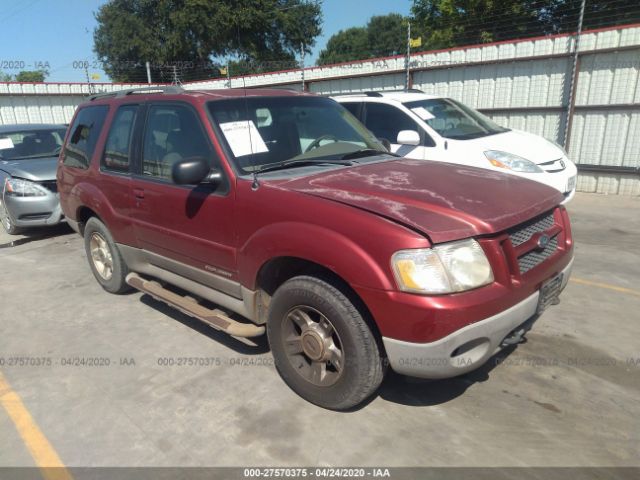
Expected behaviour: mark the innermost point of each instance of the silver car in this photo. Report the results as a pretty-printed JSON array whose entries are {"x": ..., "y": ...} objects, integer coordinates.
[{"x": 28, "y": 192}]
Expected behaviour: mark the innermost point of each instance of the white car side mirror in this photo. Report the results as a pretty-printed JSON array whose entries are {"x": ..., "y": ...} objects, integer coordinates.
[{"x": 408, "y": 137}]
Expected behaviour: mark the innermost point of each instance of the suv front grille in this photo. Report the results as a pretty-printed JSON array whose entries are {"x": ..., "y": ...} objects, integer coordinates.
[
  {"x": 534, "y": 258},
  {"x": 50, "y": 185},
  {"x": 523, "y": 233}
]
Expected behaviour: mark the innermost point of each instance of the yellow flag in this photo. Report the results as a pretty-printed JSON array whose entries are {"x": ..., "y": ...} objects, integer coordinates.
[
  {"x": 415, "y": 42},
  {"x": 95, "y": 76},
  {"x": 223, "y": 70}
]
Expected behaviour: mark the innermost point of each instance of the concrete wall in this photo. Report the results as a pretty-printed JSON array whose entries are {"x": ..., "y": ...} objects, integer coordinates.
[{"x": 522, "y": 84}]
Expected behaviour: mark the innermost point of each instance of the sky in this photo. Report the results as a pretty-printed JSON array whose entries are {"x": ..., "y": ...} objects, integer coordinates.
[{"x": 58, "y": 34}]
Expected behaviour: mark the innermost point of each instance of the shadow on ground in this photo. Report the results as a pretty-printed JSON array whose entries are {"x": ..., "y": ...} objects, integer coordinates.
[
  {"x": 225, "y": 339},
  {"x": 395, "y": 388},
  {"x": 35, "y": 234},
  {"x": 424, "y": 393}
]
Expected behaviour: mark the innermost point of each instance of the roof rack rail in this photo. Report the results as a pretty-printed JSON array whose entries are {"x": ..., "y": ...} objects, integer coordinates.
[
  {"x": 168, "y": 89},
  {"x": 376, "y": 93}
]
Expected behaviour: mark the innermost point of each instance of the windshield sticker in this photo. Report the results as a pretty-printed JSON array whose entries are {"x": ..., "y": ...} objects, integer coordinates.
[
  {"x": 243, "y": 137},
  {"x": 5, "y": 143},
  {"x": 423, "y": 113}
]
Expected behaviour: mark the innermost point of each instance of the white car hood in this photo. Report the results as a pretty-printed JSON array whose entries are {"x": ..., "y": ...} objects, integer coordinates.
[{"x": 526, "y": 145}]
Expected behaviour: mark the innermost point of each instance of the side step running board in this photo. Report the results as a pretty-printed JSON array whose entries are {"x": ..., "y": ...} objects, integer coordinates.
[{"x": 215, "y": 318}]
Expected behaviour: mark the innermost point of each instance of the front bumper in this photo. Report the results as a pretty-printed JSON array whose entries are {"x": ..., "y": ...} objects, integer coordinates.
[
  {"x": 465, "y": 349},
  {"x": 34, "y": 211}
]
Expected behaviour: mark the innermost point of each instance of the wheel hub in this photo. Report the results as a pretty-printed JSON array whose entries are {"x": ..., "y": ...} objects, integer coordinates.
[
  {"x": 101, "y": 256},
  {"x": 313, "y": 345}
]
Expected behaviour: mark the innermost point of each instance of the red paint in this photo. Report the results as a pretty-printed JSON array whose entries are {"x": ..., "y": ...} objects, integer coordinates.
[{"x": 349, "y": 220}]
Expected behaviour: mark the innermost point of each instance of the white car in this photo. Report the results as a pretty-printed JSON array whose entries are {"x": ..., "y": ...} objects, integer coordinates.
[{"x": 429, "y": 127}]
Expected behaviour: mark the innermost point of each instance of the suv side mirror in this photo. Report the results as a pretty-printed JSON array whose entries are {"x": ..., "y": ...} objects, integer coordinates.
[
  {"x": 190, "y": 171},
  {"x": 408, "y": 137}
]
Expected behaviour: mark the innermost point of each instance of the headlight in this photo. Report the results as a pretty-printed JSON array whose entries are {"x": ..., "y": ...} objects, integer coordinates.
[
  {"x": 511, "y": 162},
  {"x": 23, "y": 188},
  {"x": 447, "y": 268}
]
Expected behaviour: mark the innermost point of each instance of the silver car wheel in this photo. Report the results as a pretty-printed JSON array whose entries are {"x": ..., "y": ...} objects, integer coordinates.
[
  {"x": 6, "y": 219},
  {"x": 101, "y": 256}
]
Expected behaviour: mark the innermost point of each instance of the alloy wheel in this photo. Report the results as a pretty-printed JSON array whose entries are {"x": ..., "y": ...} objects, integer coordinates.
[
  {"x": 313, "y": 346},
  {"x": 101, "y": 255}
]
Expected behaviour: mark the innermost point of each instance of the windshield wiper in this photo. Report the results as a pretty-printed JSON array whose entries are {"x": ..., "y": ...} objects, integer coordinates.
[
  {"x": 367, "y": 152},
  {"x": 295, "y": 163},
  {"x": 37, "y": 155},
  {"x": 299, "y": 163}
]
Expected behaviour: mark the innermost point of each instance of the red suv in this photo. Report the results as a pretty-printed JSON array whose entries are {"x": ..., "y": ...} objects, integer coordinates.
[{"x": 282, "y": 208}]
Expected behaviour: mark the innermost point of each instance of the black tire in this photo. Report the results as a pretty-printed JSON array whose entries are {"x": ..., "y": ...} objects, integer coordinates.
[
  {"x": 96, "y": 231},
  {"x": 362, "y": 368},
  {"x": 7, "y": 222}
]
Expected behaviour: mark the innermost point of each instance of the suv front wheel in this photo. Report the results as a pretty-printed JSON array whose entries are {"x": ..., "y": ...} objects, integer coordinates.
[
  {"x": 322, "y": 347},
  {"x": 104, "y": 257}
]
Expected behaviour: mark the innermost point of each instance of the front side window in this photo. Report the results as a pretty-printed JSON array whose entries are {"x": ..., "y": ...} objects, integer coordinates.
[
  {"x": 261, "y": 131},
  {"x": 386, "y": 121},
  {"x": 453, "y": 119},
  {"x": 172, "y": 133},
  {"x": 116, "y": 150},
  {"x": 27, "y": 144},
  {"x": 84, "y": 135}
]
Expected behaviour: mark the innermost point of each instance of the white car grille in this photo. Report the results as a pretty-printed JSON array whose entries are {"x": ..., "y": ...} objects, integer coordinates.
[{"x": 553, "y": 166}]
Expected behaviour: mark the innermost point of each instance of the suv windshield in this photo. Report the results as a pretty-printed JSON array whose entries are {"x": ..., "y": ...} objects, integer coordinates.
[
  {"x": 21, "y": 145},
  {"x": 454, "y": 120},
  {"x": 262, "y": 131}
]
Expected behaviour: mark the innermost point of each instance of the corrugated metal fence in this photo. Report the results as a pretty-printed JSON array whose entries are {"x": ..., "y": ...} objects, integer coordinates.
[{"x": 521, "y": 84}]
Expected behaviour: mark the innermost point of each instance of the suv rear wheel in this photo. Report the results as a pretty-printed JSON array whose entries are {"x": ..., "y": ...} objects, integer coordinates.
[
  {"x": 322, "y": 347},
  {"x": 104, "y": 258}
]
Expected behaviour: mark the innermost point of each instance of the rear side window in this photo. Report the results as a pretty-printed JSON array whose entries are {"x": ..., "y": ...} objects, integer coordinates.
[
  {"x": 116, "y": 150},
  {"x": 84, "y": 135},
  {"x": 172, "y": 132}
]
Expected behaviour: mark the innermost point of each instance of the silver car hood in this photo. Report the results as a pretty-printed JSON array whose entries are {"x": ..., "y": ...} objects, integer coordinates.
[{"x": 36, "y": 169}]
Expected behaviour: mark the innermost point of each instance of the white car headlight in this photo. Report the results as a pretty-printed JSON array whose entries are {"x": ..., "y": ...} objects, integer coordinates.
[
  {"x": 446, "y": 268},
  {"x": 511, "y": 162},
  {"x": 23, "y": 188}
]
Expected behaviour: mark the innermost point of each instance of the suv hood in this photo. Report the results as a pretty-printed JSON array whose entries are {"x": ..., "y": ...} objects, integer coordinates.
[
  {"x": 443, "y": 201},
  {"x": 35, "y": 169},
  {"x": 523, "y": 144}
]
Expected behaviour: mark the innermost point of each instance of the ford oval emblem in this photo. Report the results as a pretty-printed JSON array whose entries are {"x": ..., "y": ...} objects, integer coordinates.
[{"x": 543, "y": 241}]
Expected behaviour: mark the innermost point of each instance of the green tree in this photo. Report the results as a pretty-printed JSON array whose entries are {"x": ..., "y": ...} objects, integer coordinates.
[
  {"x": 187, "y": 34},
  {"x": 562, "y": 15},
  {"x": 382, "y": 36},
  {"x": 31, "y": 76},
  {"x": 448, "y": 23},
  {"x": 25, "y": 76}
]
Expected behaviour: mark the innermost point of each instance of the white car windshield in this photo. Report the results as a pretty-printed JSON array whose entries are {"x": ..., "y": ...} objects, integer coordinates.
[{"x": 454, "y": 120}]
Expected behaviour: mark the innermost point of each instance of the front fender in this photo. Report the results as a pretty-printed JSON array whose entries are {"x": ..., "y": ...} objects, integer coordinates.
[{"x": 313, "y": 243}]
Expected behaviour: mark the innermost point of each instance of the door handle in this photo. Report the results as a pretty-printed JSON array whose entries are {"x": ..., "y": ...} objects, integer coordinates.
[{"x": 138, "y": 193}]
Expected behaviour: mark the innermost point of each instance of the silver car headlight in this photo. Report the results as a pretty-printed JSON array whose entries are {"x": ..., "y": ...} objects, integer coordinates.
[
  {"x": 447, "y": 268},
  {"x": 511, "y": 162},
  {"x": 23, "y": 188}
]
